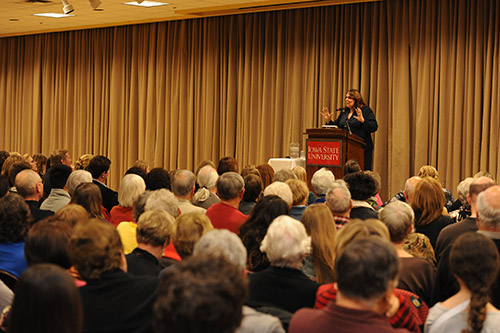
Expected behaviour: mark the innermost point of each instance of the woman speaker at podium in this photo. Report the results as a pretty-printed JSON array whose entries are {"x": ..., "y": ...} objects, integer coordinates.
[{"x": 358, "y": 119}]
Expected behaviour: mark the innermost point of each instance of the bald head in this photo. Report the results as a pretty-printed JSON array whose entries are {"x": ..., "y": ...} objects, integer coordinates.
[
  {"x": 29, "y": 185},
  {"x": 409, "y": 189},
  {"x": 488, "y": 209}
]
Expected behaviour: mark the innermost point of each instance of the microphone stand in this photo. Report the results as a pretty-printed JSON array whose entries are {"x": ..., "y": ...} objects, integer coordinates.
[{"x": 347, "y": 141}]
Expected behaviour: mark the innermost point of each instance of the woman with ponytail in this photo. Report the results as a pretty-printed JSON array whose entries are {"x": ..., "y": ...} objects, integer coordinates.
[{"x": 474, "y": 261}]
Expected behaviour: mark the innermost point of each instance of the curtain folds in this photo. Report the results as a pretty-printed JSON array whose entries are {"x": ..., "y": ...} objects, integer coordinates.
[{"x": 177, "y": 93}]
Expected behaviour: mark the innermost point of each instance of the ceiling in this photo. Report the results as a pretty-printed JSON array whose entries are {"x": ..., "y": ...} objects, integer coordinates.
[{"x": 16, "y": 16}]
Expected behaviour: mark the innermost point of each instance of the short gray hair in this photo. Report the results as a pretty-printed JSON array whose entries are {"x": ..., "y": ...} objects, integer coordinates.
[
  {"x": 183, "y": 183},
  {"x": 286, "y": 242},
  {"x": 487, "y": 215},
  {"x": 163, "y": 199},
  {"x": 410, "y": 184},
  {"x": 338, "y": 198},
  {"x": 229, "y": 185},
  {"x": 398, "y": 217},
  {"x": 130, "y": 188},
  {"x": 76, "y": 178},
  {"x": 280, "y": 189},
  {"x": 207, "y": 177},
  {"x": 322, "y": 181},
  {"x": 463, "y": 189},
  {"x": 222, "y": 242},
  {"x": 283, "y": 175}
]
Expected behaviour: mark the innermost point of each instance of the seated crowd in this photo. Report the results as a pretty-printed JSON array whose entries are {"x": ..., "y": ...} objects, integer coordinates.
[{"x": 219, "y": 250}]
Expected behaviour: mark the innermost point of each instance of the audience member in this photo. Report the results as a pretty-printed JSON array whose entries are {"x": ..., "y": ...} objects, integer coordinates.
[
  {"x": 72, "y": 214},
  {"x": 362, "y": 187},
  {"x": 9, "y": 161},
  {"x": 322, "y": 181},
  {"x": 368, "y": 270},
  {"x": 113, "y": 301},
  {"x": 300, "y": 193},
  {"x": 163, "y": 199},
  {"x": 14, "y": 170},
  {"x": 3, "y": 156},
  {"x": 225, "y": 243},
  {"x": 282, "y": 190},
  {"x": 351, "y": 166},
  {"x": 157, "y": 178},
  {"x": 430, "y": 171},
  {"x": 127, "y": 229},
  {"x": 28, "y": 158},
  {"x": 99, "y": 168},
  {"x": 406, "y": 195},
  {"x": 461, "y": 208},
  {"x": 89, "y": 197},
  {"x": 319, "y": 265},
  {"x": 59, "y": 156},
  {"x": 14, "y": 214},
  {"x": 301, "y": 174},
  {"x": 417, "y": 274},
  {"x": 183, "y": 187},
  {"x": 225, "y": 215},
  {"x": 59, "y": 196},
  {"x": 375, "y": 201},
  {"x": 83, "y": 161},
  {"x": 283, "y": 175},
  {"x": 338, "y": 199},
  {"x": 227, "y": 164},
  {"x": 154, "y": 233},
  {"x": 253, "y": 190},
  {"x": 266, "y": 174},
  {"x": 29, "y": 186},
  {"x": 249, "y": 170},
  {"x": 283, "y": 285},
  {"x": 130, "y": 188},
  {"x": 252, "y": 232},
  {"x": 47, "y": 242},
  {"x": 76, "y": 178},
  {"x": 428, "y": 204},
  {"x": 200, "y": 294},
  {"x": 142, "y": 164},
  {"x": 138, "y": 171},
  {"x": 46, "y": 301},
  {"x": 41, "y": 163},
  {"x": 189, "y": 227},
  {"x": 474, "y": 261},
  {"x": 206, "y": 195},
  {"x": 407, "y": 310}
]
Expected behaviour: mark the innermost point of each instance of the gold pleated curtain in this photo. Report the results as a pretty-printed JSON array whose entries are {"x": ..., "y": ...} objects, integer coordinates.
[{"x": 176, "y": 93}]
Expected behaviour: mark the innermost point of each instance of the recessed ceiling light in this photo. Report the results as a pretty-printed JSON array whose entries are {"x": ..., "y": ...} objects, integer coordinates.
[
  {"x": 54, "y": 15},
  {"x": 146, "y": 3}
]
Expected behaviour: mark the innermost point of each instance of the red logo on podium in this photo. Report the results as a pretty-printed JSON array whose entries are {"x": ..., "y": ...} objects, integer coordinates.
[{"x": 324, "y": 152}]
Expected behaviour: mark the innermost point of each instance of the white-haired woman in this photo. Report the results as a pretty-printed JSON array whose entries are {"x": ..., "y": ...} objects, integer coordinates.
[
  {"x": 130, "y": 188},
  {"x": 206, "y": 195},
  {"x": 283, "y": 285}
]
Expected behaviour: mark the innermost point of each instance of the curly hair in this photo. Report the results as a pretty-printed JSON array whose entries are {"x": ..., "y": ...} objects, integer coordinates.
[
  {"x": 255, "y": 228},
  {"x": 361, "y": 185},
  {"x": 14, "y": 216},
  {"x": 474, "y": 260}
]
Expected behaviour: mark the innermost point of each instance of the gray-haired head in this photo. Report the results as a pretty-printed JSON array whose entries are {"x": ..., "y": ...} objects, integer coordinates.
[
  {"x": 338, "y": 198},
  {"x": 283, "y": 175},
  {"x": 280, "y": 189},
  {"x": 488, "y": 209},
  {"x": 207, "y": 177},
  {"x": 322, "y": 181},
  {"x": 183, "y": 183},
  {"x": 222, "y": 242},
  {"x": 163, "y": 199},
  {"x": 398, "y": 217},
  {"x": 230, "y": 185},
  {"x": 76, "y": 178}
]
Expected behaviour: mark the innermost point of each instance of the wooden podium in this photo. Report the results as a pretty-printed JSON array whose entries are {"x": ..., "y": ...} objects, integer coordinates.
[{"x": 330, "y": 148}]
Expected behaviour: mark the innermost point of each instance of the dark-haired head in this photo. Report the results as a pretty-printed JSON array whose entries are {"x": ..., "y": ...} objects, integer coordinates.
[
  {"x": 361, "y": 185},
  {"x": 227, "y": 164},
  {"x": 14, "y": 216},
  {"x": 59, "y": 175},
  {"x": 255, "y": 228},
  {"x": 89, "y": 197},
  {"x": 158, "y": 178},
  {"x": 351, "y": 166},
  {"x": 46, "y": 301}
]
